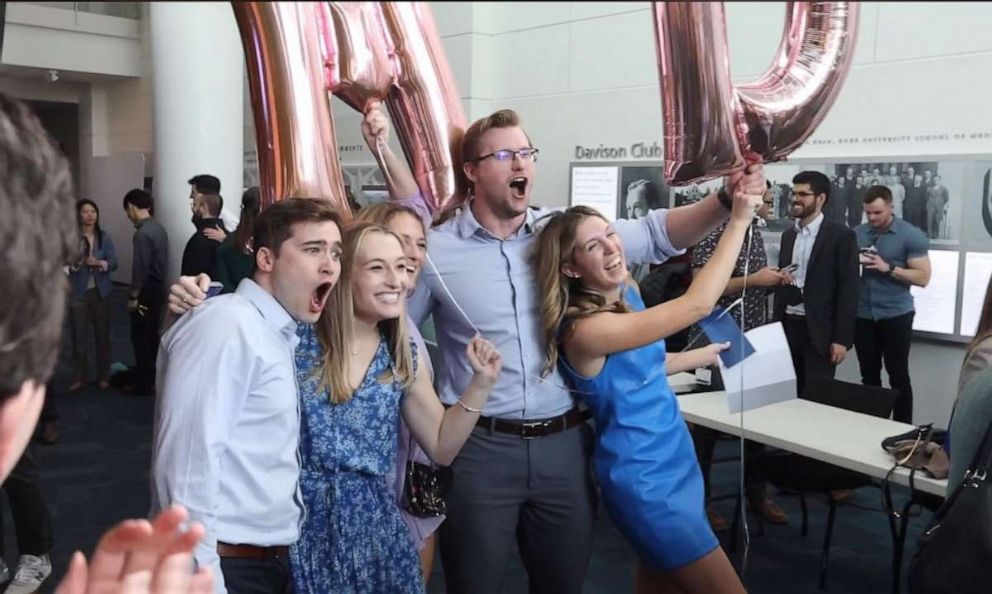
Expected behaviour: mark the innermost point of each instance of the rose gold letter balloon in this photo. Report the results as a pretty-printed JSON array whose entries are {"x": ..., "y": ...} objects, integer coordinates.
[
  {"x": 297, "y": 151},
  {"x": 712, "y": 128},
  {"x": 425, "y": 104},
  {"x": 359, "y": 53}
]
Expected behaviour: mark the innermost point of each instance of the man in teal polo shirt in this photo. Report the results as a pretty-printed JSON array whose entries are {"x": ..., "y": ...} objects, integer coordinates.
[{"x": 894, "y": 256}]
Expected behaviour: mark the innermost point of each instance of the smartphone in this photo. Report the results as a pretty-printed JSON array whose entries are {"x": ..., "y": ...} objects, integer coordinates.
[
  {"x": 791, "y": 268},
  {"x": 214, "y": 289},
  {"x": 866, "y": 254}
]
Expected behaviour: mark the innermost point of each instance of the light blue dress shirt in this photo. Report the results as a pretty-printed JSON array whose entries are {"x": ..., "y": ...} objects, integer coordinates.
[
  {"x": 227, "y": 423},
  {"x": 493, "y": 281},
  {"x": 801, "y": 251}
]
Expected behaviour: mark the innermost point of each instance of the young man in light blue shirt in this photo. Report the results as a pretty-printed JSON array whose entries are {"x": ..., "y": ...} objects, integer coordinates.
[
  {"x": 227, "y": 418},
  {"x": 523, "y": 475}
]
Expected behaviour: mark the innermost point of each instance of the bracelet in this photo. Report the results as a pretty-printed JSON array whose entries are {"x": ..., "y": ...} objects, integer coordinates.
[
  {"x": 467, "y": 407},
  {"x": 725, "y": 199}
]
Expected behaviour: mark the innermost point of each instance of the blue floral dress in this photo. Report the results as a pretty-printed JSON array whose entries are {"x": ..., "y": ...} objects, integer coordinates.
[{"x": 353, "y": 537}]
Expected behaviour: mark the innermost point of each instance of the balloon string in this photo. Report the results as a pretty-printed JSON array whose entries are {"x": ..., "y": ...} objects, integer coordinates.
[
  {"x": 379, "y": 145},
  {"x": 742, "y": 486},
  {"x": 540, "y": 378},
  {"x": 450, "y": 296}
]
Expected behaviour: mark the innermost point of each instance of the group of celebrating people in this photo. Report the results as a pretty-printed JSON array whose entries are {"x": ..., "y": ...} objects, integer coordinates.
[
  {"x": 281, "y": 406},
  {"x": 532, "y": 308}
]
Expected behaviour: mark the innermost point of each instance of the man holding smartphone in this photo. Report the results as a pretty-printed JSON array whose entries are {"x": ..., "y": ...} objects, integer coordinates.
[{"x": 895, "y": 256}]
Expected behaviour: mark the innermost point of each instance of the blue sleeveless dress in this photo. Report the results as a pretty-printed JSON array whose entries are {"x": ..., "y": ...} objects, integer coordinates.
[
  {"x": 353, "y": 538},
  {"x": 644, "y": 458}
]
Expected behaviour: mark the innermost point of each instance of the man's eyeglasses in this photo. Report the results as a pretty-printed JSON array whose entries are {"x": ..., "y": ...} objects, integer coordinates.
[
  {"x": 526, "y": 154},
  {"x": 804, "y": 194}
]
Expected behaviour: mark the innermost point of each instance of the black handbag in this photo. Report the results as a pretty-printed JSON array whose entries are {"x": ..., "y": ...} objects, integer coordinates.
[
  {"x": 424, "y": 489},
  {"x": 955, "y": 551}
]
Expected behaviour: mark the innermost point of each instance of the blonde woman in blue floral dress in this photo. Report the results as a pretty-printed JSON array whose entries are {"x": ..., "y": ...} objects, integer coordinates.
[{"x": 358, "y": 372}]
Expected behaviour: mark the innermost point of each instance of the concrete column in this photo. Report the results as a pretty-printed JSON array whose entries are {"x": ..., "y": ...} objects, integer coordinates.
[{"x": 198, "y": 86}]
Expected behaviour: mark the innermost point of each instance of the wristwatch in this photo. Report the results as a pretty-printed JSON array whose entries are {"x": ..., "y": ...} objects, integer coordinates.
[
  {"x": 725, "y": 199},
  {"x": 891, "y": 271}
]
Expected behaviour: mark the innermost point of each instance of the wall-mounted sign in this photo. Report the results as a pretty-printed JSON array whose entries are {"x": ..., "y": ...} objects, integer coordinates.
[{"x": 638, "y": 150}]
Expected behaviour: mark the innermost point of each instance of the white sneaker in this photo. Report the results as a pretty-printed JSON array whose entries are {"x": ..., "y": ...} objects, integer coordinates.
[{"x": 31, "y": 572}]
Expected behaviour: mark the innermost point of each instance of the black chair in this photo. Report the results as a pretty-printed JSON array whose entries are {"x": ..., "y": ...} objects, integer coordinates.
[{"x": 802, "y": 475}]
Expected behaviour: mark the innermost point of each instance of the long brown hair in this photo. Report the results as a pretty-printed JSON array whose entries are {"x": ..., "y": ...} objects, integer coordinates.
[
  {"x": 563, "y": 298},
  {"x": 251, "y": 204},
  {"x": 984, "y": 322},
  {"x": 336, "y": 328}
]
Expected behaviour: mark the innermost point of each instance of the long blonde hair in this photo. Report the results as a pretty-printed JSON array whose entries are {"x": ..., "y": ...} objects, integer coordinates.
[
  {"x": 336, "y": 328},
  {"x": 563, "y": 298}
]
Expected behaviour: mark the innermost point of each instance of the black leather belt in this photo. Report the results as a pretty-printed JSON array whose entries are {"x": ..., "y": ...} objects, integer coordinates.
[
  {"x": 529, "y": 429},
  {"x": 243, "y": 551}
]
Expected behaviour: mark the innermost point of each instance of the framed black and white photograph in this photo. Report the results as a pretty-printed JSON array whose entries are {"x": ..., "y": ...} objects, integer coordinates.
[
  {"x": 642, "y": 189},
  {"x": 694, "y": 192},
  {"x": 927, "y": 193}
]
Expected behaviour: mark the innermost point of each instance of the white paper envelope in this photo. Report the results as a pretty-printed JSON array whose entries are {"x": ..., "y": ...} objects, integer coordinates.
[{"x": 768, "y": 376}]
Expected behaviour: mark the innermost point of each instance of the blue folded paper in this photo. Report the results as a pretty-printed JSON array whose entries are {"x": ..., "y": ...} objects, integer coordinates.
[{"x": 720, "y": 326}]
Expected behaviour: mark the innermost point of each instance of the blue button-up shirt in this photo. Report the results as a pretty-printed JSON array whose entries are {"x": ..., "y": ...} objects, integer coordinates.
[
  {"x": 227, "y": 423},
  {"x": 883, "y": 297},
  {"x": 493, "y": 281}
]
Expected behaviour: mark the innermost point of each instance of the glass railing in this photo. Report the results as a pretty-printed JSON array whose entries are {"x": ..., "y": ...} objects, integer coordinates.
[{"x": 126, "y": 10}]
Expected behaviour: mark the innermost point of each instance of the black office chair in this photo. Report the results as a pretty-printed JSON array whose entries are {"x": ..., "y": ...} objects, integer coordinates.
[{"x": 803, "y": 475}]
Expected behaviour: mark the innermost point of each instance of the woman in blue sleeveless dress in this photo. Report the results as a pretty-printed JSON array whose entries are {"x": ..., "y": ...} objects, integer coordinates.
[
  {"x": 358, "y": 373},
  {"x": 613, "y": 350}
]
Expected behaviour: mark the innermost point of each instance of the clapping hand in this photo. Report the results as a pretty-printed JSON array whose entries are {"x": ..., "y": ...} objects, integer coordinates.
[{"x": 141, "y": 557}]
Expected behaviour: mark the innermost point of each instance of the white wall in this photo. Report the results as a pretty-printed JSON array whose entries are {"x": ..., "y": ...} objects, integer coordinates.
[
  {"x": 586, "y": 74},
  {"x": 43, "y": 37}
]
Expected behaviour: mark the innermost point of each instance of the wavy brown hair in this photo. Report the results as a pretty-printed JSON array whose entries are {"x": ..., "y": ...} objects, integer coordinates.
[
  {"x": 563, "y": 298},
  {"x": 336, "y": 328}
]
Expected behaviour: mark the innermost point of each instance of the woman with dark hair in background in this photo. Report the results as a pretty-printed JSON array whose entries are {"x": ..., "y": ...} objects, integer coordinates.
[
  {"x": 234, "y": 256},
  {"x": 89, "y": 278},
  {"x": 973, "y": 407}
]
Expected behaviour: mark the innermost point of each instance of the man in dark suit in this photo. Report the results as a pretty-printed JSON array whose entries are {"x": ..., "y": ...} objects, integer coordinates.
[{"x": 819, "y": 306}]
